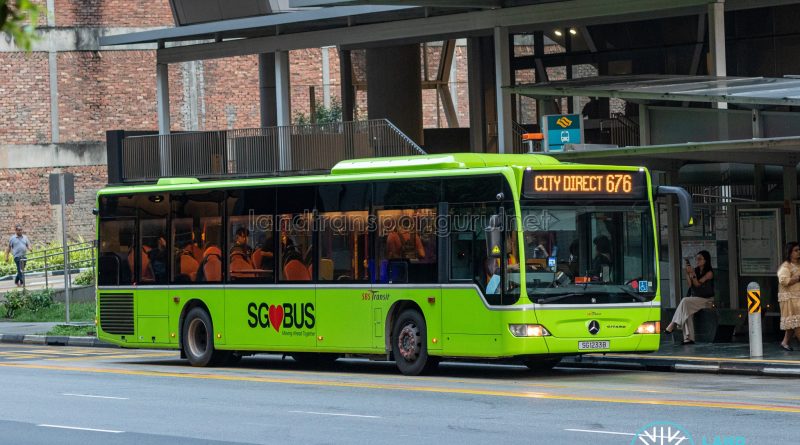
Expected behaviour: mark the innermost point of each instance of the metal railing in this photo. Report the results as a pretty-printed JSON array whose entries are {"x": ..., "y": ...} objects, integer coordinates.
[
  {"x": 81, "y": 256},
  {"x": 260, "y": 151},
  {"x": 624, "y": 130}
]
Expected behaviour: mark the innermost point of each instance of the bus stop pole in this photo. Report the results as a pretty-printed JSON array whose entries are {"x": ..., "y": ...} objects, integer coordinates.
[
  {"x": 63, "y": 201},
  {"x": 754, "y": 319}
]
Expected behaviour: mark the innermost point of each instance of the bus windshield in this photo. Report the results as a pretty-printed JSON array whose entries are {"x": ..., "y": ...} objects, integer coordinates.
[{"x": 588, "y": 254}]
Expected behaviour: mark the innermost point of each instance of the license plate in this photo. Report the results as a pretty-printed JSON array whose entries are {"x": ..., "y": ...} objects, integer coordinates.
[{"x": 599, "y": 344}]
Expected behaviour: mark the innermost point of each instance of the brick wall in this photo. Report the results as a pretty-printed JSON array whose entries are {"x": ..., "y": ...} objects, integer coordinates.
[
  {"x": 24, "y": 98},
  {"x": 113, "y": 13},
  {"x": 24, "y": 199}
]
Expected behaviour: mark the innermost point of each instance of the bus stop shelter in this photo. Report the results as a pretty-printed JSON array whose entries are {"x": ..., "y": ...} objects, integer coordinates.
[{"x": 760, "y": 132}]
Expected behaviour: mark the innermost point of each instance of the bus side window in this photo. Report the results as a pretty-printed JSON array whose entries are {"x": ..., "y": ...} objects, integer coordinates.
[
  {"x": 295, "y": 206},
  {"x": 251, "y": 235},
  {"x": 116, "y": 242},
  {"x": 196, "y": 235}
]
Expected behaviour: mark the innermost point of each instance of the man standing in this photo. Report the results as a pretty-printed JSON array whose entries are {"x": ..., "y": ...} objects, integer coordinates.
[{"x": 20, "y": 246}]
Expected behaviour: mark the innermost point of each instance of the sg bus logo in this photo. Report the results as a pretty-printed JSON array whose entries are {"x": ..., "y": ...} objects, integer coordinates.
[{"x": 286, "y": 315}]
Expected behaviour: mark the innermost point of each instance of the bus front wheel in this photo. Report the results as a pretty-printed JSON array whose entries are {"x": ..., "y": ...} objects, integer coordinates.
[
  {"x": 410, "y": 344},
  {"x": 198, "y": 338}
]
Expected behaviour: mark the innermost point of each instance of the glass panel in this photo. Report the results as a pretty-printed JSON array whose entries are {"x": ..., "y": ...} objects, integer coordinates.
[
  {"x": 116, "y": 252},
  {"x": 407, "y": 246},
  {"x": 251, "y": 257},
  {"x": 602, "y": 253},
  {"x": 153, "y": 255},
  {"x": 344, "y": 246},
  {"x": 197, "y": 238},
  {"x": 295, "y": 246}
]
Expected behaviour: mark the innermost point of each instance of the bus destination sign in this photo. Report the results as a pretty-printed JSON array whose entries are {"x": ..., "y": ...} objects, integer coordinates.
[{"x": 579, "y": 184}]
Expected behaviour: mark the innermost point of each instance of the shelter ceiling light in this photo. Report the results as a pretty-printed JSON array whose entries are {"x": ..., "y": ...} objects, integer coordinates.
[
  {"x": 573, "y": 31},
  {"x": 558, "y": 33}
]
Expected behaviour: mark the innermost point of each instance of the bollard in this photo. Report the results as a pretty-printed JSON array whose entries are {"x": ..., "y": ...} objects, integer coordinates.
[{"x": 754, "y": 319}]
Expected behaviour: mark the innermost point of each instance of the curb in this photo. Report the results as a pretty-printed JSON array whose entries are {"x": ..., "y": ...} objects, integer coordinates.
[
  {"x": 55, "y": 340},
  {"x": 665, "y": 364}
]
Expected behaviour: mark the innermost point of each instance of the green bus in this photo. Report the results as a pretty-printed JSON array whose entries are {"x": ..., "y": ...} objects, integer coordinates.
[{"x": 413, "y": 259}]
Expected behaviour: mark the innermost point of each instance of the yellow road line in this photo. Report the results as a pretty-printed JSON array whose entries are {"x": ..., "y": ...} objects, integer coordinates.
[
  {"x": 429, "y": 389},
  {"x": 112, "y": 357}
]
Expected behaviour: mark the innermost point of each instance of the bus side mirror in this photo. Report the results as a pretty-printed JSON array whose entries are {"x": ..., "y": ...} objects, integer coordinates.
[
  {"x": 494, "y": 237},
  {"x": 684, "y": 202}
]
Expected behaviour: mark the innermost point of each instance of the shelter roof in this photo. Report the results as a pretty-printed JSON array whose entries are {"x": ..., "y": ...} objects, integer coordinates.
[{"x": 746, "y": 91}]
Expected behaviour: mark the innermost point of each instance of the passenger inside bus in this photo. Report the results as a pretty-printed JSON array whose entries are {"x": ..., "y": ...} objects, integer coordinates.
[
  {"x": 241, "y": 255},
  {"x": 210, "y": 270},
  {"x": 187, "y": 265},
  {"x": 602, "y": 262}
]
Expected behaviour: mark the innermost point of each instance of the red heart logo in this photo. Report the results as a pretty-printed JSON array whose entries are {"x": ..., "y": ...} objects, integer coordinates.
[{"x": 276, "y": 317}]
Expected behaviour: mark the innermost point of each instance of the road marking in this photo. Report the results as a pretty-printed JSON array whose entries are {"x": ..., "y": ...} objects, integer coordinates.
[
  {"x": 599, "y": 432},
  {"x": 692, "y": 358},
  {"x": 63, "y": 427},
  {"x": 335, "y": 414},
  {"x": 419, "y": 388},
  {"x": 94, "y": 397}
]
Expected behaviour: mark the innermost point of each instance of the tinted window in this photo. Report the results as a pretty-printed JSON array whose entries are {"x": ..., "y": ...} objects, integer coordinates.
[
  {"x": 475, "y": 189},
  {"x": 152, "y": 243},
  {"x": 295, "y": 224},
  {"x": 251, "y": 240},
  {"x": 406, "y": 245},
  {"x": 116, "y": 252},
  {"x": 197, "y": 238},
  {"x": 344, "y": 247},
  {"x": 407, "y": 192}
]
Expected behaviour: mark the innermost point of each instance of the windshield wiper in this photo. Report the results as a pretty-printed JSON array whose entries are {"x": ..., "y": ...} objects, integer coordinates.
[
  {"x": 559, "y": 297},
  {"x": 632, "y": 293}
]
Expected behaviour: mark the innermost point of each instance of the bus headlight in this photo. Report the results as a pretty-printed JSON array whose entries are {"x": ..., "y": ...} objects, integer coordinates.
[
  {"x": 528, "y": 330},
  {"x": 649, "y": 327}
]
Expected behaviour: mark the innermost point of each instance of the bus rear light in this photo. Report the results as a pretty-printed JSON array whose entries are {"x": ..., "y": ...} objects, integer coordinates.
[
  {"x": 649, "y": 327},
  {"x": 528, "y": 330}
]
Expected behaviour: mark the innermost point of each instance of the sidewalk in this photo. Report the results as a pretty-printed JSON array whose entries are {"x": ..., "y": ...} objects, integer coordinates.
[
  {"x": 33, "y": 333},
  {"x": 714, "y": 358}
]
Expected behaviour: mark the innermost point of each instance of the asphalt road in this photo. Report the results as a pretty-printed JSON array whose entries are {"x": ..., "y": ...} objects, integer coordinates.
[{"x": 109, "y": 396}]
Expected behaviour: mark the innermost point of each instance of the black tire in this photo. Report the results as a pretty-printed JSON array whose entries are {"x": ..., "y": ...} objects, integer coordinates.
[
  {"x": 541, "y": 363},
  {"x": 410, "y": 344},
  {"x": 315, "y": 360},
  {"x": 197, "y": 338}
]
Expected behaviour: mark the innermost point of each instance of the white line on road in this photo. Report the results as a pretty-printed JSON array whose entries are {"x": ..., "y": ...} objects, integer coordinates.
[
  {"x": 94, "y": 397},
  {"x": 335, "y": 414},
  {"x": 600, "y": 432},
  {"x": 78, "y": 428}
]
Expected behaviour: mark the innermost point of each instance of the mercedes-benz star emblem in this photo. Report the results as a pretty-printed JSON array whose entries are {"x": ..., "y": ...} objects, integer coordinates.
[{"x": 594, "y": 327}]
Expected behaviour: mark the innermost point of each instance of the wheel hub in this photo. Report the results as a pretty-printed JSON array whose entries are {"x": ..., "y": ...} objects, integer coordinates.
[
  {"x": 408, "y": 342},
  {"x": 198, "y": 337}
]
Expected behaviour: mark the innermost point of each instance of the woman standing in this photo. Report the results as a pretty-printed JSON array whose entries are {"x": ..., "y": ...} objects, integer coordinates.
[
  {"x": 700, "y": 296},
  {"x": 789, "y": 293}
]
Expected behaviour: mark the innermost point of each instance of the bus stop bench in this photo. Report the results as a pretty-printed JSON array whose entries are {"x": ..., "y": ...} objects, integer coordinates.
[{"x": 711, "y": 325}]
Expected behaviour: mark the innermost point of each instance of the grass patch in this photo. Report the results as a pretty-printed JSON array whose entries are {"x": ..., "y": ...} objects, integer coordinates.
[
  {"x": 73, "y": 331},
  {"x": 57, "y": 312}
]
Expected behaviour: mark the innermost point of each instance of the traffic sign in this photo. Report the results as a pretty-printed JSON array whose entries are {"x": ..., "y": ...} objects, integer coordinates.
[
  {"x": 754, "y": 301},
  {"x": 562, "y": 129}
]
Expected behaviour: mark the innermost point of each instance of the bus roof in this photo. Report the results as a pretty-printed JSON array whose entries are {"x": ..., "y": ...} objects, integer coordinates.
[
  {"x": 440, "y": 162},
  {"x": 451, "y": 164}
]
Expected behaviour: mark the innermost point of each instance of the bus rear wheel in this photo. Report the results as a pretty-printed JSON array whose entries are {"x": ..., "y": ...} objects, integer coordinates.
[
  {"x": 410, "y": 344},
  {"x": 198, "y": 339}
]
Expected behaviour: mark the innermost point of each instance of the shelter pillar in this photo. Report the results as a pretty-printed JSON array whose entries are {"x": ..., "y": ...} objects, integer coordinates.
[
  {"x": 716, "y": 39},
  {"x": 284, "y": 112},
  {"x": 162, "y": 107},
  {"x": 394, "y": 88},
  {"x": 348, "y": 94},
  {"x": 481, "y": 92},
  {"x": 267, "y": 90},
  {"x": 502, "y": 70},
  {"x": 789, "y": 208}
]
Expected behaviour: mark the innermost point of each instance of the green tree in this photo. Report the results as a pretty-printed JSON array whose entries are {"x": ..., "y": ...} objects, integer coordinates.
[{"x": 18, "y": 18}]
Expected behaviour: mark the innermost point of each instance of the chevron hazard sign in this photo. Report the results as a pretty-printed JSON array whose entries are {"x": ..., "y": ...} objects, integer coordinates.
[{"x": 754, "y": 301}]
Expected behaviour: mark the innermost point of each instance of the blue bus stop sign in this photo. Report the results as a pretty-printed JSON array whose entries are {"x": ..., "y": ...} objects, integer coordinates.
[{"x": 561, "y": 129}]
